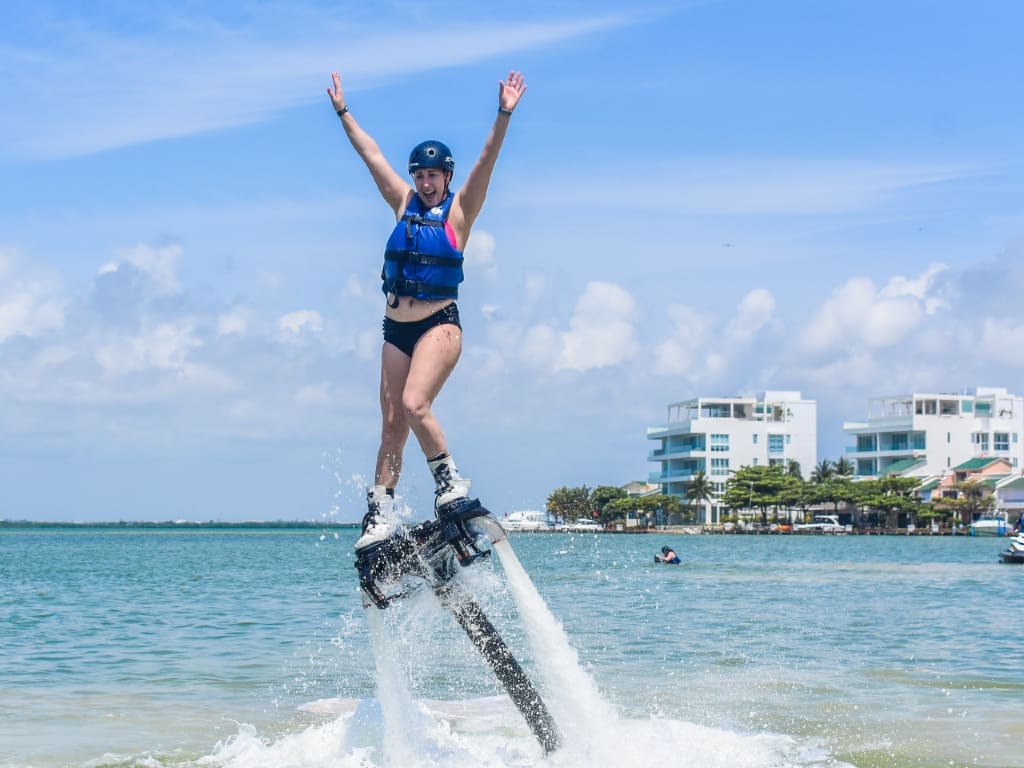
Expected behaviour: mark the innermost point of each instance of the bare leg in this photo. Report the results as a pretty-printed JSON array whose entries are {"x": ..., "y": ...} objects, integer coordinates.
[
  {"x": 433, "y": 360},
  {"x": 394, "y": 370}
]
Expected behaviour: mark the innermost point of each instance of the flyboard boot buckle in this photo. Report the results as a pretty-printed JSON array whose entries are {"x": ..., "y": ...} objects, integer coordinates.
[
  {"x": 466, "y": 526},
  {"x": 385, "y": 562}
]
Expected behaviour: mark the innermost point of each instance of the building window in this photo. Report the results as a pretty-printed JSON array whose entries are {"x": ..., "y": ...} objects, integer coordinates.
[
  {"x": 983, "y": 409},
  {"x": 719, "y": 467},
  {"x": 1001, "y": 441},
  {"x": 967, "y": 406},
  {"x": 980, "y": 439},
  {"x": 947, "y": 437},
  {"x": 919, "y": 444},
  {"x": 788, "y": 439},
  {"x": 776, "y": 444},
  {"x": 866, "y": 443},
  {"x": 719, "y": 443},
  {"x": 898, "y": 442},
  {"x": 755, "y": 461},
  {"x": 755, "y": 438}
]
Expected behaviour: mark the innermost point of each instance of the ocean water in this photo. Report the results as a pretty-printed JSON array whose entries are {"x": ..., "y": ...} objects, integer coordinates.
[{"x": 250, "y": 647}]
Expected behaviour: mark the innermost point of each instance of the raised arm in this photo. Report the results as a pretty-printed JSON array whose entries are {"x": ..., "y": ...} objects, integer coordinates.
[
  {"x": 393, "y": 188},
  {"x": 470, "y": 198}
]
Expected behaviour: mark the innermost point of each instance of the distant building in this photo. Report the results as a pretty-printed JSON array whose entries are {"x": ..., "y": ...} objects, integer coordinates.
[
  {"x": 638, "y": 489},
  {"x": 926, "y": 435},
  {"x": 718, "y": 435}
]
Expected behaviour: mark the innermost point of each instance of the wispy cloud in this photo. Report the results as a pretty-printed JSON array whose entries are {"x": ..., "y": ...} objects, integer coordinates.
[
  {"x": 83, "y": 89},
  {"x": 765, "y": 186}
]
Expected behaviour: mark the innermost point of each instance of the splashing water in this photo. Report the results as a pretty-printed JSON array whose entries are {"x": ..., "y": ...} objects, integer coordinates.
[{"x": 417, "y": 648}]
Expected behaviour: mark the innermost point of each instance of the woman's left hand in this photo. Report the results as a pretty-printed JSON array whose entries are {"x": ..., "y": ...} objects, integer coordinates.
[{"x": 511, "y": 90}]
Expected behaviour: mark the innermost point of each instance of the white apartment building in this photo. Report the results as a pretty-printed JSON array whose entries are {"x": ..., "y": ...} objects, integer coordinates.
[
  {"x": 718, "y": 435},
  {"x": 940, "y": 430}
]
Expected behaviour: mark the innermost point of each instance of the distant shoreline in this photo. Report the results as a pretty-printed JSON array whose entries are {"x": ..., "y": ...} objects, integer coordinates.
[{"x": 181, "y": 524}]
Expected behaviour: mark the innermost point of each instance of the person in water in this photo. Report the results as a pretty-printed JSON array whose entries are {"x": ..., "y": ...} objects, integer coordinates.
[
  {"x": 668, "y": 555},
  {"x": 422, "y": 271}
]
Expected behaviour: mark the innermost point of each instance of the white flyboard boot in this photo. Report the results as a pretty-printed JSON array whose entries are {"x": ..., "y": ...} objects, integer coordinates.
[
  {"x": 451, "y": 486},
  {"x": 378, "y": 521}
]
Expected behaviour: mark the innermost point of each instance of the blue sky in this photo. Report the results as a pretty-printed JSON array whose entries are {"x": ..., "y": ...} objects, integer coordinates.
[{"x": 705, "y": 198}]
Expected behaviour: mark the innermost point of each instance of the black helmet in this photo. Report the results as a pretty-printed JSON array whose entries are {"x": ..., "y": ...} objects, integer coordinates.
[
  {"x": 431, "y": 154},
  {"x": 664, "y": 550}
]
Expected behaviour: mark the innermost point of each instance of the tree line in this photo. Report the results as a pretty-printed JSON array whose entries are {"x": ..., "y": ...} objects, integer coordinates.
[{"x": 774, "y": 492}]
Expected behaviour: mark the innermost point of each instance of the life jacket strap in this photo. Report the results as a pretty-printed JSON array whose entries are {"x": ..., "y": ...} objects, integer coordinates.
[
  {"x": 427, "y": 259},
  {"x": 399, "y": 286},
  {"x": 415, "y": 218}
]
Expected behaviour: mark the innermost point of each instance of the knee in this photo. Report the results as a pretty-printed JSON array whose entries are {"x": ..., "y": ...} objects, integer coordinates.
[{"x": 416, "y": 407}]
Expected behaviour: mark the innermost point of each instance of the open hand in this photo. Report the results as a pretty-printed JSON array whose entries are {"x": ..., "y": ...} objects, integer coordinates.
[
  {"x": 337, "y": 95},
  {"x": 511, "y": 90}
]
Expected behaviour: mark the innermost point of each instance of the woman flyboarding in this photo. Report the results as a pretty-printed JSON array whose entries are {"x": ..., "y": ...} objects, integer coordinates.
[{"x": 422, "y": 270}]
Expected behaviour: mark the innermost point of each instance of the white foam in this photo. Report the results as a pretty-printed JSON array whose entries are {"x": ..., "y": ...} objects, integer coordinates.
[{"x": 398, "y": 730}]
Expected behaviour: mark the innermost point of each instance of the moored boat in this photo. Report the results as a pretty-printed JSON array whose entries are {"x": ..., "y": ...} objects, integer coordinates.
[
  {"x": 527, "y": 520},
  {"x": 993, "y": 524}
]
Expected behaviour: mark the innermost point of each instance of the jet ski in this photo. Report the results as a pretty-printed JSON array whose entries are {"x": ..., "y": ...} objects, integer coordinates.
[{"x": 1015, "y": 552}]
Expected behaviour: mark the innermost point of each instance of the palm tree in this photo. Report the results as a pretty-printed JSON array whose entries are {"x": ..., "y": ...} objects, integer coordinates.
[
  {"x": 699, "y": 490},
  {"x": 844, "y": 467},
  {"x": 823, "y": 472},
  {"x": 793, "y": 469}
]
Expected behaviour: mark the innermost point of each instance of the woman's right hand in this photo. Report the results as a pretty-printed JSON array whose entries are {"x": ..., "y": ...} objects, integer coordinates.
[{"x": 336, "y": 93}]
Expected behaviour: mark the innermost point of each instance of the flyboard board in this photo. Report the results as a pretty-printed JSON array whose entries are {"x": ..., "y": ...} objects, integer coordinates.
[{"x": 432, "y": 553}]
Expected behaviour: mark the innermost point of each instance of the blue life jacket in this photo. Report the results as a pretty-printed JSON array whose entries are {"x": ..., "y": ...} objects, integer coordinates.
[{"x": 419, "y": 260}]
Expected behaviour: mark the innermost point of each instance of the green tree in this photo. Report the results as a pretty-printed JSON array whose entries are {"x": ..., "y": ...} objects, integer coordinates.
[
  {"x": 822, "y": 472},
  {"x": 793, "y": 469},
  {"x": 570, "y": 503},
  {"x": 698, "y": 491},
  {"x": 844, "y": 467},
  {"x": 973, "y": 499},
  {"x": 754, "y": 488},
  {"x": 602, "y": 494}
]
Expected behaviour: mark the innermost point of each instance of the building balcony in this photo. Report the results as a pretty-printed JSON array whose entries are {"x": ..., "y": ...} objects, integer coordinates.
[
  {"x": 679, "y": 476},
  {"x": 675, "y": 453}
]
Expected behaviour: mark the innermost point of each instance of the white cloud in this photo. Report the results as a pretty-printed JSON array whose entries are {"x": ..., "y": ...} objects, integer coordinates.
[
  {"x": 601, "y": 329},
  {"x": 755, "y": 311},
  {"x": 1002, "y": 340},
  {"x": 690, "y": 333},
  {"x": 541, "y": 347},
  {"x": 301, "y": 320},
  {"x": 138, "y": 88},
  {"x": 759, "y": 186},
  {"x": 29, "y": 305},
  {"x": 921, "y": 288},
  {"x": 479, "y": 253},
  {"x": 159, "y": 264},
  {"x": 233, "y": 322},
  {"x": 165, "y": 347},
  {"x": 858, "y": 313}
]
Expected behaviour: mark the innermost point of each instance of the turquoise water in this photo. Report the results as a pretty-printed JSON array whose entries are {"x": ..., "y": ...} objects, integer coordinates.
[{"x": 249, "y": 647}]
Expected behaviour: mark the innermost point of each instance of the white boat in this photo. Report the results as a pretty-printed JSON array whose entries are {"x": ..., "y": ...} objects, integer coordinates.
[
  {"x": 527, "y": 520},
  {"x": 993, "y": 524},
  {"x": 582, "y": 525},
  {"x": 821, "y": 524}
]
